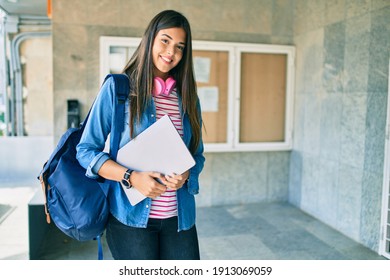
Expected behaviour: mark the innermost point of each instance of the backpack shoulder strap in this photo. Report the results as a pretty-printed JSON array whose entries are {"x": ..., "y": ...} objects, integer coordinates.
[{"x": 122, "y": 89}]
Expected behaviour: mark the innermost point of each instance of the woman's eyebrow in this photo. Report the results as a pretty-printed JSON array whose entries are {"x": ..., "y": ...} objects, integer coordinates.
[{"x": 181, "y": 43}]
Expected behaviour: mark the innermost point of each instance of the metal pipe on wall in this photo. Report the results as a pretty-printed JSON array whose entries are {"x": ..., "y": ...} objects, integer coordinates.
[
  {"x": 16, "y": 82},
  {"x": 4, "y": 73}
]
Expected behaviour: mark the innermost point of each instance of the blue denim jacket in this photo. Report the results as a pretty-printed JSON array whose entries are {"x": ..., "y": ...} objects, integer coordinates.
[{"x": 91, "y": 154}]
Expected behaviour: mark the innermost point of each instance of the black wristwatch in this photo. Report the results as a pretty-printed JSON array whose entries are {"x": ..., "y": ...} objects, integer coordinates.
[{"x": 126, "y": 178}]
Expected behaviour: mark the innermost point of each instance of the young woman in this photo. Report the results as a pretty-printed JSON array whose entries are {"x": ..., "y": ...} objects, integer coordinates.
[{"x": 162, "y": 226}]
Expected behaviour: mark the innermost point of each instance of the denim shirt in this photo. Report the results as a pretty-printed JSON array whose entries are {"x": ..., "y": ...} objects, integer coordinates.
[{"x": 91, "y": 154}]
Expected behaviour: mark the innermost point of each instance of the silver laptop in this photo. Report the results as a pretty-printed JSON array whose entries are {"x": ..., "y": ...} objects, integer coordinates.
[{"x": 158, "y": 148}]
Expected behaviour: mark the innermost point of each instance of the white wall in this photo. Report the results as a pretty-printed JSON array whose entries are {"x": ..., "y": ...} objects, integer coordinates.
[{"x": 21, "y": 159}]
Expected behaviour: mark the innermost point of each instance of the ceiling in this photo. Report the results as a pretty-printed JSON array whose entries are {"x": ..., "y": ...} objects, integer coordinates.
[{"x": 24, "y": 7}]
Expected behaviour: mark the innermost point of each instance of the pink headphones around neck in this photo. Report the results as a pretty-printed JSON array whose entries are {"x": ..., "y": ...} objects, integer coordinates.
[{"x": 163, "y": 87}]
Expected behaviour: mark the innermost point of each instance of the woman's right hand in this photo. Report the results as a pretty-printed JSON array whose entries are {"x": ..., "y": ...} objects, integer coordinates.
[{"x": 147, "y": 184}]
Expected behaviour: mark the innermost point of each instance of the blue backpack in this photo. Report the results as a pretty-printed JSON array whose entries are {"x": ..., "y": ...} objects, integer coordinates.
[{"x": 76, "y": 204}]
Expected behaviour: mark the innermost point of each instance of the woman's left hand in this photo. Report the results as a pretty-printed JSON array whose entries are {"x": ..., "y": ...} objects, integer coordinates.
[{"x": 174, "y": 181}]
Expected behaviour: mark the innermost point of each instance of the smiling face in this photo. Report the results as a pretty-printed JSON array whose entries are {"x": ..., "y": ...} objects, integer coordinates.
[{"x": 168, "y": 49}]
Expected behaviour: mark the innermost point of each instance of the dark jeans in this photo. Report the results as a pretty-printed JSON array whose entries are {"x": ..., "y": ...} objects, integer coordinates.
[{"x": 159, "y": 241}]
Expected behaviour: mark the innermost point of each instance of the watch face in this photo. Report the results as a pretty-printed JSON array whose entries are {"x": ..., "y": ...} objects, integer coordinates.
[
  {"x": 125, "y": 183},
  {"x": 125, "y": 180}
]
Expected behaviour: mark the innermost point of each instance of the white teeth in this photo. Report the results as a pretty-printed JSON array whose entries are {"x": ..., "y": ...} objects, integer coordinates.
[{"x": 166, "y": 59}]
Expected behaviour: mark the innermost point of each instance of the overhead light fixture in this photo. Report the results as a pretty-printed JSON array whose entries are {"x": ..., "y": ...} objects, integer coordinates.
[{"x": 12, "y": 1}]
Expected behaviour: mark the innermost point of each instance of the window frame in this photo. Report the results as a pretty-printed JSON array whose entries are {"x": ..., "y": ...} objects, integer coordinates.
[{"x": 289, "y": 51}]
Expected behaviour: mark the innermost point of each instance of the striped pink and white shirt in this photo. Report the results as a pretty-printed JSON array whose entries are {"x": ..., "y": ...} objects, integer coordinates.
[{"x": 165, "y": 206}]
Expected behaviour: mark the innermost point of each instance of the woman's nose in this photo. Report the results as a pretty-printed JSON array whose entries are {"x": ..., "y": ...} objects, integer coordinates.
[{"x": 170, "y": 51}]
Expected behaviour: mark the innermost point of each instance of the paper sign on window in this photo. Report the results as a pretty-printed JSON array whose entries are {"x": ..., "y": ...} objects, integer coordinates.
[
  {"x": 202, "y": 69},
  {"x": 208, "y": 97}
]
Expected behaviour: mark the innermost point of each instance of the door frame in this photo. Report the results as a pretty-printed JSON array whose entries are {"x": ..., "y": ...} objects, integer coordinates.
[{"x": 384, "y": 245}]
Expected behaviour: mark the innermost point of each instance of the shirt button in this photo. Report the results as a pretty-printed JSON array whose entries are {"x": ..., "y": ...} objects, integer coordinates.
[
  {"x": 152, "y": 115},
  {"x": 147, "y": 206}
]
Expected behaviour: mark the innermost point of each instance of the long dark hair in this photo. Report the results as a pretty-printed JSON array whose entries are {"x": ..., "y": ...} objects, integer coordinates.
[{"x": 140, "y": 71}]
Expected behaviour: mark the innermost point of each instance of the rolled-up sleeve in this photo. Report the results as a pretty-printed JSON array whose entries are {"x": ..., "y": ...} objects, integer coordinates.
[{"x": 90, "y": 150}]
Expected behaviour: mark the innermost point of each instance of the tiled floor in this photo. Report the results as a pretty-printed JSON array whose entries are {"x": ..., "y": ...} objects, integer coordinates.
[{"x": 272, "y": 231}]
